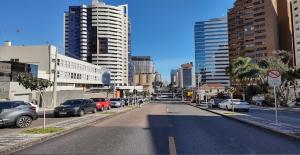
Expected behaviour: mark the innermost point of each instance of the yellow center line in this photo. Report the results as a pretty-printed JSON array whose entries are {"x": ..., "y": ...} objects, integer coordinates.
[{"x": 172, "y": 146}]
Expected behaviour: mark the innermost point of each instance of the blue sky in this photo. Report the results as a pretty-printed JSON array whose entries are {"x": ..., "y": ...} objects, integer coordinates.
[{"x": 162, "y": 29}]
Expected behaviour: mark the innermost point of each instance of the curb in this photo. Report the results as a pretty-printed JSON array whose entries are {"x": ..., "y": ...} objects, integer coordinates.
[
  {"x": 25, "y": 145},
  {"x": 250, "y": 123}
]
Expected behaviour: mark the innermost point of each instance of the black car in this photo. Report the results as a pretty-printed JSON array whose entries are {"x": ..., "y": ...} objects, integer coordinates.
[
  {"x": 77, "y": 107},
  {"x": 17, "y": 113},
  {"x": 215, "y": 102},
  {"x": 126, "y": 101}
]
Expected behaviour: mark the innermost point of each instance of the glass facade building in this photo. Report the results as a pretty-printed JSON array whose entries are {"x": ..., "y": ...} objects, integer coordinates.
[{"x": 211, "y": 51}]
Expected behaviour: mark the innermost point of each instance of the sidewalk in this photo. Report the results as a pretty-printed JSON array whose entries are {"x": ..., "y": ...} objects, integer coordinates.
[
  {"x": 16, "y": 141},
  {"x": 282, "y": 128}
]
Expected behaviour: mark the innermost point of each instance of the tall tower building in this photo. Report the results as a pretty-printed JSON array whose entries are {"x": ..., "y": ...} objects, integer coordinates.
[
  {"x": 296, "y": 26},
  {"x": 187, "y": 75},
  {"x": 75, "y": 32},
  {"x": 99, "y": 34},
  {"x": 253, "y": 29},
  {"x": 211, "y": 51}
]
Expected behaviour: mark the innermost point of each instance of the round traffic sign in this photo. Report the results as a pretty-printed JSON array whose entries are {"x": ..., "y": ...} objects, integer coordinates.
[{"x": 274, "y": 74}]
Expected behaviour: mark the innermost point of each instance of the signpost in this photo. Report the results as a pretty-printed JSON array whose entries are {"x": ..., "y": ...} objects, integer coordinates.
[
  {"x": 231, "y": 90},
  {"x": 274, "y": 80}
]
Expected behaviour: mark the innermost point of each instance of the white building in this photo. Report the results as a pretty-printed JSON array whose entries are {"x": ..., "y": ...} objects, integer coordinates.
[
  {"x": 186, "y": 76},
  {"x": 72, "y": 74},
  {"x": 296, "y": 23},
  {"x": 99, "y": 34}
]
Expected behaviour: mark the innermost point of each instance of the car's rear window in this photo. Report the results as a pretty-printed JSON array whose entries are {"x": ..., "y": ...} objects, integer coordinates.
[
  {"x": 98, "y": 99},
  {"x": 5, "y": 105},
  {"x": 72, "y": 102},
  {"x": 115, "y": 99}
]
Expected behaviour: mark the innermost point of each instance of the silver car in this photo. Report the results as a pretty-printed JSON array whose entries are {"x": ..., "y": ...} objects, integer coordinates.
[
  {"x": 17, "y": 113},
  {"x": 117, "y": 102}
]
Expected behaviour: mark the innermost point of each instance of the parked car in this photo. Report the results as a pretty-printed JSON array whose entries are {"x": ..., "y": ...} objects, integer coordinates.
[
  {"x": 126, "y": 101},
  {"x": 77, "y": 107},
  {"x": 117, "y": 102},
  {"x": 17, "y": 113},
  {"x": 34, "y": 105},
  {"x": 214, "y": 102},
  {"x": 235, "y": 104},
  {"x": 102, "y": 103}
]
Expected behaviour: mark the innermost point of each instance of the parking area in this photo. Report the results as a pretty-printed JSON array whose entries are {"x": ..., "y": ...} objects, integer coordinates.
[{"x": 50, "y": 119}]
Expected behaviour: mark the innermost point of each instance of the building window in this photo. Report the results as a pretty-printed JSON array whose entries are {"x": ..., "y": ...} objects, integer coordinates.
[{"x": 14, "y": 60}]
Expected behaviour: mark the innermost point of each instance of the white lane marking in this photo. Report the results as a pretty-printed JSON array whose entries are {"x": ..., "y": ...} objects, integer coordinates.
[{"x": 172, "y": 146}]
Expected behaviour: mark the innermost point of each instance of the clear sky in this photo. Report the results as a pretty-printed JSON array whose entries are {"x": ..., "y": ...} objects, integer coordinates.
[{"x": 162, "y": 29}]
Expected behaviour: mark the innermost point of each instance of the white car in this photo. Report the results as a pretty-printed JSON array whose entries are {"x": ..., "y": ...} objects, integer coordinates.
[{"x": 235, "y": 104}]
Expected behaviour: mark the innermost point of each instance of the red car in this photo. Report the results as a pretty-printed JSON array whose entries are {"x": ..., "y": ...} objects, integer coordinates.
[{"x": 102, "y": 103}]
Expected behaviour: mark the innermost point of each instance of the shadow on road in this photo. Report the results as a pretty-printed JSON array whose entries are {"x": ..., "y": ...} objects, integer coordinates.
[{"x": 215, "y": 135}]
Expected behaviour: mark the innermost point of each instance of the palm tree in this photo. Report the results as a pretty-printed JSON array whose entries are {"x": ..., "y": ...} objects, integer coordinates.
[{"x": 243, "y": 71}]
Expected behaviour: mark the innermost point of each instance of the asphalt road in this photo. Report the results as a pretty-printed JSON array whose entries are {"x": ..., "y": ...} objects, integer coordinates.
[
  {"x": 165, "y": 128},
  {"x": 284, "y": 116}
]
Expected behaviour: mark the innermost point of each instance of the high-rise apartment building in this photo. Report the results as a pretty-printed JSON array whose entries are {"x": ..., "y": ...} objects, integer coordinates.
[
  {"x": 173, "y": 76},
  {"x": 76, "y": 31},
  {"x": 253, "y": 29},
  {"x": 296, "y": 25},
  {"x": 99, "y": 34},
  {"x": 211, "y": 51},
  {"x": 285, "y": 26}
]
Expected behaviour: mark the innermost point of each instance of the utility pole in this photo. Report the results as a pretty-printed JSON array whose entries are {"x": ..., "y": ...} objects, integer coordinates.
[
  {"x": 54, "y": 93},
  {"x": 114, "y": 85},
  {"x": 199, "y": 89}
]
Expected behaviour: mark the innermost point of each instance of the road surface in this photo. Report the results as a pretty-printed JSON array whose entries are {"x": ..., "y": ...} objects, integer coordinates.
[
  {"x": 168, "y": 128},
  {"x": 284, "y": 116}
]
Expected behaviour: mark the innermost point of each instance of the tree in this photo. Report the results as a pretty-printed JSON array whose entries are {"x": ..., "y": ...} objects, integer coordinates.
[
  {"x": 288, "y": 76},
  {"x": 243, "y": 72},
  {"x": 34, "y": 84}
]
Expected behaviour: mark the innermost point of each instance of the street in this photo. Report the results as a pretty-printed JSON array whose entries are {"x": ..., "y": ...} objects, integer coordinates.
[{"x": 168, "y": 128}]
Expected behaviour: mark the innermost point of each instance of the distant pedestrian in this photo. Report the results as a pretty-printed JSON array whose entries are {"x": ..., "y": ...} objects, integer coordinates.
[{"x": 140, "y": 102}]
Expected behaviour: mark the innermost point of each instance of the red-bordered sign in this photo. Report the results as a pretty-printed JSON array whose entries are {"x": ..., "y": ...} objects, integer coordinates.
[
  {"x": 274, "y": 78},
  {"x": 274, "y": 74}
]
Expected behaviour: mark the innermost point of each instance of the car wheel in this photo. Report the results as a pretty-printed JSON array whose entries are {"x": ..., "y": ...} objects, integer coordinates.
[
  {"x": 81, "y": 113},
  {"x": 23, "y": 121},
  {"x": 94, "y": 110}
]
